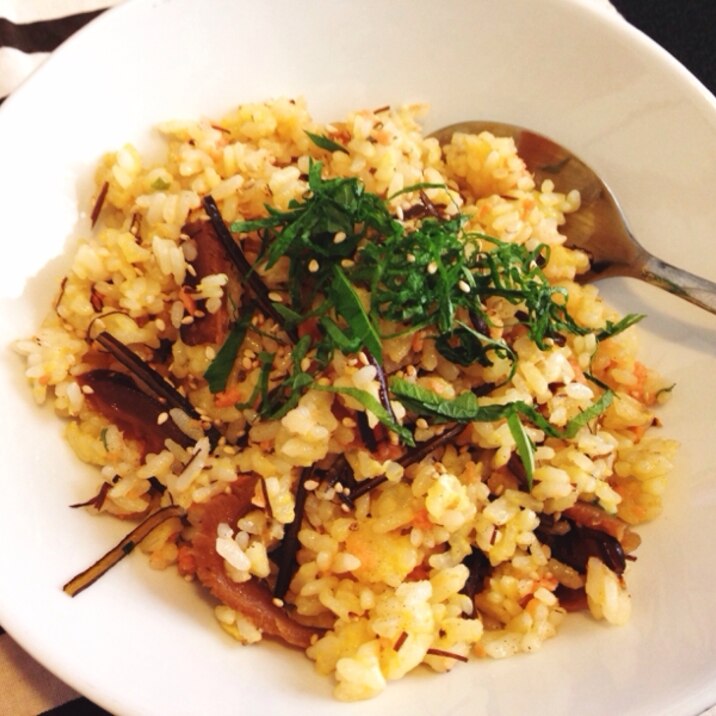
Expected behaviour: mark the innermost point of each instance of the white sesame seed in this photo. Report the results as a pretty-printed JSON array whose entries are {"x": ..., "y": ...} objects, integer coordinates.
[
  {"x": 463, "y": 286},
  {"x": 87, "y": 389},
  {"x": 278, "y": 602},
  {"x": 432, "y": 267},
  {"x": 363, "y": 358},
  {"x": 313, "y": 266},
  {"x": 160, "y": 324},
  {"x": 410, "y": 258},
  {"x": 311, "y": 484},
  {"x": 348, "y": 263},
  {"x": 162, "y": 418},
  {"x": 275, "y": 297},
  {"x": 339, "y": 237},
  {"x": 305, "y": 364},
  {"x": 399, "y": 213},
  {"x": 210, "y": 352},
  {"x": 187, "y": 320}
]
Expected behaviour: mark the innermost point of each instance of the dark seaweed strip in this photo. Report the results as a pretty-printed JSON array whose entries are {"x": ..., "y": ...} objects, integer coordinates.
[
  {"x": 366, "y": 432},
  {"x": 423, "y": 450},
  {"x": 576, "y": 546},
  {"x": 246, "y": 271},
  {"x": 99, "y": 203},
  {"x": 479, "y": 568},
  {"x": 98, "y": 500},
  {"x": 154, "y": 382},
  {"x": 409, "y": 458},
  {"x": 337, "y": 471},
  {"x": 122, "y": 549},
  {"x": 289, "y": 546},
  {"x": 383, "y": 393},
  {"x": 447, "y": 655}
]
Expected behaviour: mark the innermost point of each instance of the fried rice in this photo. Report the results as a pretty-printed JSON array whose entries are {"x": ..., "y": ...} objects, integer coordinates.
[{"x": 379, "y": 490}]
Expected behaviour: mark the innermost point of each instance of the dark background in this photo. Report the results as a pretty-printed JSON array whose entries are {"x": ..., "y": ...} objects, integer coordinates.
[{"x": 685, "y": 28}]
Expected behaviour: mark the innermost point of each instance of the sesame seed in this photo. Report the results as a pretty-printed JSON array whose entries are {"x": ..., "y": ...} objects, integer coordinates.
[
  {"x": 229, "y": 450},
  {"x": 160, "y": 324},
  {"x": 348, "y": 422},
  {"x": 313, "y": 266},
  {"x": 311, "y": 484},
  {"x": 210, "y": 352},
  {"x": 410, "y": 258},
  {"x": 339, "y": 237},
  {"x": 421, "y": 423},
  {"x": 463, "y": 286},
  {"x": 305, "y": 364},
  {"x": 338, "y": 487},
  {"x": 187, "y": 320},
  {"x": 432, "y": 267},
  {"x": 345, "y": 507},
  {"x": 246, "y": 363},
  {"x": 399, "y": 213},
  {"x": 278, "y": 602},
  {"x": 275, "y": 297},
  {"x": 348, "y": 263},
  {"x": 162, "y": 418},
  {"x": 87, "y": 389},
  {"x": 363, "y": 358},
  {"x": 190, "y": 270}
]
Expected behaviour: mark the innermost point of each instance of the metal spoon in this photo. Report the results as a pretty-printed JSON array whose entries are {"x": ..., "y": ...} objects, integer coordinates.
[{"x": 599, "y": 227}]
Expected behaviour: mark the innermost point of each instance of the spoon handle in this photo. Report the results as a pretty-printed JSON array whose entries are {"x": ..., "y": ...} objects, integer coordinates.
[{"x": 694, "y": 289}]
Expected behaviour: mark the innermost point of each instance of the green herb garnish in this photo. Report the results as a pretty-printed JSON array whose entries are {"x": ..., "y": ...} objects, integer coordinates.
[
  {"x": 466, "y": 408},
  {"x": 324, "y": 142},
  {"x": 360, "y": 330},
  {"x": 219, "y": 369},
  {"x": 369, "y": 402},
  {"x": 160, "y": 184},
  {"x": 525, "y": 446},
  {"x": 611, "y": 329},
  {"x": 341, "y": 242}
]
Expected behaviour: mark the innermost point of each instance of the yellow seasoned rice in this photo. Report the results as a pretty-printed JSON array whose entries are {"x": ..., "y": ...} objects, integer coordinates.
[{"x": 385, "y": 577}]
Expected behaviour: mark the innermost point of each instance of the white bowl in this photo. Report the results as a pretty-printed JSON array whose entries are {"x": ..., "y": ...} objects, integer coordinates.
[{"x": 141, "y": 642}]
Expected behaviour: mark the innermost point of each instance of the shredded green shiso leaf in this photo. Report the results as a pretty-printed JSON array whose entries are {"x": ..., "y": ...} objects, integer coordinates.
[{"x": 352, "y": 266}]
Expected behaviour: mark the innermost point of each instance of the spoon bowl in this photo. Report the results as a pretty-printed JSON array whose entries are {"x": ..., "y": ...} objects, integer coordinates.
[{"x": 599, "y": 228}]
